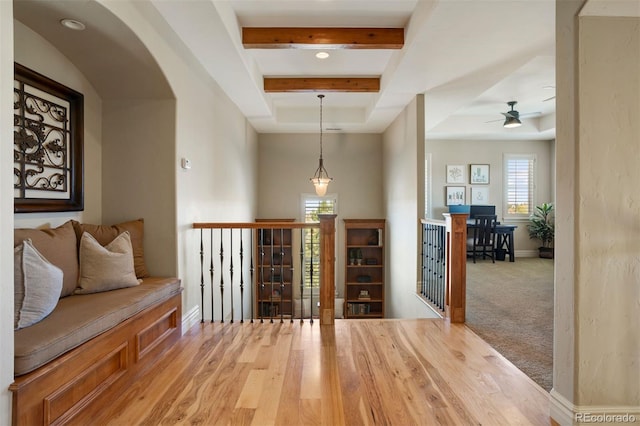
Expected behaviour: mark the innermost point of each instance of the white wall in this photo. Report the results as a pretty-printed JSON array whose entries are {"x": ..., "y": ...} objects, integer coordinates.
[
  {"x": 403, "y": 170},
  {"x": 596, "y": 341},
  {"x": 466, "y": 152},
  {"x": 211, "y": 132},
  {"x": 354, "y": 161},
  {"x": 6, "y": 210},
  {"x": 137, "y": 161},
  {"x": 608, "y": 251},
  {"x": 33, "y": 51}
]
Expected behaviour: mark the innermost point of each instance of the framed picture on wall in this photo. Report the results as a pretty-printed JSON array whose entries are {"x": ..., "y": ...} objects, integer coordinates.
[
  {"x": 456, "y": 195},
  {"x": 48, "y": 131},
  {"x": 455, "y": 173},
  {"x": 479, "y": 174},
  {"x": 480, "y": 195}
]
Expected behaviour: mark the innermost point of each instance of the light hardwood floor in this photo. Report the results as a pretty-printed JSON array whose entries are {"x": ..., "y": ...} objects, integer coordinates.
[{"x": 360, "y": 372}]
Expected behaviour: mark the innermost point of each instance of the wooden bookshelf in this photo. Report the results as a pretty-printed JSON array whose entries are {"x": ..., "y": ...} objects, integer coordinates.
[{"x": 364, "y": 268}]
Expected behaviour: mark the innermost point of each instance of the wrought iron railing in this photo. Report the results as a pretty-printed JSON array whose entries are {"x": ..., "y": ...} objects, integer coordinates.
[
  {"x": 257, "y": 268},
  {"x": 434, "y": 263}
]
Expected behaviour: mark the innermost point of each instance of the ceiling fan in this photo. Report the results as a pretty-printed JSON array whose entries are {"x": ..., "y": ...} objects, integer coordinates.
[{"x": 512, "y": 117}]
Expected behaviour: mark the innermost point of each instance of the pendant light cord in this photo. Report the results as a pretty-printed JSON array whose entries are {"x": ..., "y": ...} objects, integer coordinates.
[{"x": 320, "y": 96}]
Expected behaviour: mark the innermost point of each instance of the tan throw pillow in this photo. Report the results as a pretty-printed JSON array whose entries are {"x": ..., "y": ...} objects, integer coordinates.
[
  {"x": 104, "y": 234},
  {"x": 105, "y": 268},
  {"x": 59, "y": 246},
  {"x": 37, "y": 285}
]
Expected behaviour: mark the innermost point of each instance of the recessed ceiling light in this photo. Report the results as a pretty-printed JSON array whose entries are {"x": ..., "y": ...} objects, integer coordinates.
[
  {"x": 322, "y": 55},
  {"x": 72, "y": 24}
]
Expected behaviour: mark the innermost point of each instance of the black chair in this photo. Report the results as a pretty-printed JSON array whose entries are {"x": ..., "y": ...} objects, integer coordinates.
[{"x": 483, "y": 238}]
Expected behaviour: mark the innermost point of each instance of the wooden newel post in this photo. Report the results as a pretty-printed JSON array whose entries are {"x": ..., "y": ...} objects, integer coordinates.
[
  {"x": 327, "y": 268},
  {"x": 455, "y": 298}
]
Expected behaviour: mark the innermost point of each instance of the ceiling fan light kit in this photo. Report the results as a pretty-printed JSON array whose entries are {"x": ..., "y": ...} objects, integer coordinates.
[
  {"x": 512, "y": 118},
  {"x": 511, "y": 122}
]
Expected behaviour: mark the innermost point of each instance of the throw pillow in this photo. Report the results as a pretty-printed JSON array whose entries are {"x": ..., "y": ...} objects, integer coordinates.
[
  {"x": 104, "y": 234},
  {"x": 105, "y": 268},
  {"x": 37, "y": 285},
  {"x": 59, "y": 246}
]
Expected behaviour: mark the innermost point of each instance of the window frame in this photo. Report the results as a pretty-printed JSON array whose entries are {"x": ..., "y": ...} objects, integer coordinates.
[
  {"x": 532, "y": 186},
  {"x": 304, "y": 199}
]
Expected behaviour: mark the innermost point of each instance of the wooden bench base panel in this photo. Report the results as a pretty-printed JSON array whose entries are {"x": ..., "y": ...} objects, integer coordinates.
[{"x": 73, "y": 387}]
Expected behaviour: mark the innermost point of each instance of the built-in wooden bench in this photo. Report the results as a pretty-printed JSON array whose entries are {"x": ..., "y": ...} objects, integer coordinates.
[{"x": 74, "y": 386}]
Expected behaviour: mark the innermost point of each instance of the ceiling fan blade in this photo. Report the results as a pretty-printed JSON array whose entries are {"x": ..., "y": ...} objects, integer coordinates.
[
  {"x": 548, "y": 99},
  {"x": 509, "y": 114},
  {"x": 493, "y": 121},
  {"x": 530, "y": 114}
]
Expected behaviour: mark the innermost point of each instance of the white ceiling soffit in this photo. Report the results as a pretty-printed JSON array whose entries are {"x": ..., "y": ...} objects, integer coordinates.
[
  {"x": 134, "y": 75},
  {"x": 612, "y": 8}
]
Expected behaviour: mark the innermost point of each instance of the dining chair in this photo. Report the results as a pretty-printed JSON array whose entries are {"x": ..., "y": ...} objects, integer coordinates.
[{"x": 483, "y": 239}]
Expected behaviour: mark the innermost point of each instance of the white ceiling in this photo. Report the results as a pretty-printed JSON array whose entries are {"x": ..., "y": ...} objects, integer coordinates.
[{"x": 469, "y": 58}]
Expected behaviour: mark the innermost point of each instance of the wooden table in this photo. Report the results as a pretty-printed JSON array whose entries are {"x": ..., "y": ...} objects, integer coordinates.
[{"x": 504, "y": 238}]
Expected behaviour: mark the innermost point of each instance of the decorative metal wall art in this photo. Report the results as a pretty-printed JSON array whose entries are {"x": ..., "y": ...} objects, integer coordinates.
[{"x": 47, "y": 144}]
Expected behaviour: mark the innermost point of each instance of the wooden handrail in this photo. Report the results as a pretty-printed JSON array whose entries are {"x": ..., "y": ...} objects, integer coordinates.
[{"x": 253, "y": 225}]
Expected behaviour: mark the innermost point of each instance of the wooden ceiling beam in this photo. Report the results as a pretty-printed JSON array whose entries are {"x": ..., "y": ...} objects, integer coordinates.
[
  {"x": 322, "y": 38},
  {"x": 321, "y": 84}
]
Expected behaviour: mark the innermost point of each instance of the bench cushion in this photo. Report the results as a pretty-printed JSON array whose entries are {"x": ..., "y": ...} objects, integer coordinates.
[{"x": 79, "y": 318}]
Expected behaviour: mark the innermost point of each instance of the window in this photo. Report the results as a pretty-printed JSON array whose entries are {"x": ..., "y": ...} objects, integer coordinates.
[
  {"x": 312, "y": 207},
  {"x": 519, "y": 178}
]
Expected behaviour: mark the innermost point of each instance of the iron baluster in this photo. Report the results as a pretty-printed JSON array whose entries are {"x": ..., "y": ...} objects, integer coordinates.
[
  {"x": 201, "y": 277},
  {"x": 231, "y": 270},
  {"x": 221, "y": 279},
  {"x": 281, "y": 275},
  {"x": 211, "y": 271},
  {"x": 241, "y": 280},
  {"x": 251, "y": 282},
  {"x": 311, "y": 276},
  {"x": 261, "y": 295},
  {"x": 272, "y": 270},
  {"x": 301, "y": 275}
]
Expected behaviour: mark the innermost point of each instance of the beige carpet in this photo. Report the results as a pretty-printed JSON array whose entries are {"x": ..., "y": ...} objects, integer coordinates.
[{"x": 510, "y": 305}]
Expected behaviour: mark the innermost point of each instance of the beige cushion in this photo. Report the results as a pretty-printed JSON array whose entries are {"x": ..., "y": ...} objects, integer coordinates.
[
  {"x": 105, "y": 268},
  {"x": 59, "y": 246},
  {"x": 105, "y": 234},
  {"x": 37, "y": 285}
]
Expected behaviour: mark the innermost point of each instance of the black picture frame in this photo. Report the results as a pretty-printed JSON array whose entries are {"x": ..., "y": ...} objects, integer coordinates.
[{"x": 63, "y": 188}]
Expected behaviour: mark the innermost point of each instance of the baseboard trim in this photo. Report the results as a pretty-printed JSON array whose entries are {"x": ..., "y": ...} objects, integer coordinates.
[
  {"x": 560, "y": 409},
  {"x": 566, "y": 413},
  {"x": 526, "y": 253},
  {"x": 190, "y": 318}
]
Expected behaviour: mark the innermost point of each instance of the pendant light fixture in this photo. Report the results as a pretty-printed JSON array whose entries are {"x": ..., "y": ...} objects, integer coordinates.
[{"x": 321, "y": 177}]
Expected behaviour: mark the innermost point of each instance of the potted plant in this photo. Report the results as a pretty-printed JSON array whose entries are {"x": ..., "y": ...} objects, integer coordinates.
[{"x": 541, "y": 227}]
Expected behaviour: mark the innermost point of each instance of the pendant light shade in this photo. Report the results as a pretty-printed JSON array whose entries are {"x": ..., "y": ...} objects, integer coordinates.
[{"x": 321, "y": 177}]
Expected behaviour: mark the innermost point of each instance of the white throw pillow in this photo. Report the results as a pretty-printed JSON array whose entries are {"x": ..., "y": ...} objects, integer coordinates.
[
  {"x": 106, "y": 268},
  {"x": 37, "y": 285}
]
